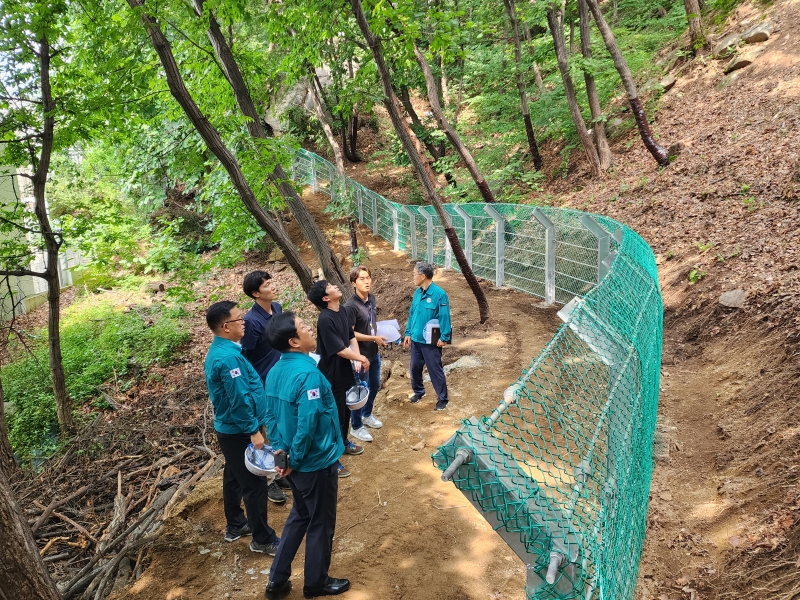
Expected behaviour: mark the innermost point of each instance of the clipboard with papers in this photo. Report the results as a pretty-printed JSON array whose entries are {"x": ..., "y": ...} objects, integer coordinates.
[{"x": 432, "y": 332}]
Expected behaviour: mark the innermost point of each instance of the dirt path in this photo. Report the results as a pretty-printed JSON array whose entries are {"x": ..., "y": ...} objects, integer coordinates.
[{"x": 401, "y": 532}]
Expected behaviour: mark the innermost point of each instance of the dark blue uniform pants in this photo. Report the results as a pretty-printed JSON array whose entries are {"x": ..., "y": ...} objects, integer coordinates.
[
  {"x": 313, "y": 515},
  {"x": 431, "y": 356},
  {"x": 238, "y": 483}
]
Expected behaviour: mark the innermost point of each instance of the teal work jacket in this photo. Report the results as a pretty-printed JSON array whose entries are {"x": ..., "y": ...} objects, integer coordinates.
[
  {"x": 432, "y": 303},
  {"x": 302, "y": 419},
  {"x": 236, "y": 391}
]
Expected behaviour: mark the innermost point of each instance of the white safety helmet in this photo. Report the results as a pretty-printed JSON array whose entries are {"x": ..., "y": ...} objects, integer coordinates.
[
  {"x": 260, "y": 462},
  {"x": 389, "y": 331},
  {"x": 357, "y": 396}
]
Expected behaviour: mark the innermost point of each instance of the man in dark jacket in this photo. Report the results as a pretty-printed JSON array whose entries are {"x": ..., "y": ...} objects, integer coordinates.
[
  {"x": 255, "y": 345},
  {"x": 303, "y": 424},
  {"x": 237, "y": 396}
]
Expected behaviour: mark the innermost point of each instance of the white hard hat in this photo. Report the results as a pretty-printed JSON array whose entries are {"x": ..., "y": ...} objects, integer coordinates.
[
  {"x": 357, "y": 396},
  {"x": 260, "y": 462},
  {"x": 389, "y": 331}
]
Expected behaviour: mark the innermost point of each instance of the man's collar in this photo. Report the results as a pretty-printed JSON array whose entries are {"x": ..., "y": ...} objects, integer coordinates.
[{"x": 221, "y": 340}]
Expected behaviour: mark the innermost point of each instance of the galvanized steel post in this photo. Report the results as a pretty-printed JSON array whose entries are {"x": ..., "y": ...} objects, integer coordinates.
[
  {"x": 395, "y": 226},
  {"x": 429, "y": 220},
  {"x": 500, "y": 245},
  {"x": 374, "y": 213},
  {"x": 412, "y": 231},
  {"x": 467, "y": 232},
  {"x": 549, "y": 256},
  {"x": 360, "y": 202},
  {"x": 603, "y": 244}
]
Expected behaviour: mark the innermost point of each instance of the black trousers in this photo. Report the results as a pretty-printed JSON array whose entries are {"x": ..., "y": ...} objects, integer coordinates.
[
  {"x": 343, "y": 413},
  {"x": 428, "y": 355},
  {"x": 238, "y": 483},
  {"x": 313, "y": 515}
]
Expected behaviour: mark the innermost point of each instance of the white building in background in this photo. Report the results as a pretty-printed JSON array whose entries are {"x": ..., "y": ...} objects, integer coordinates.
[{"x": 23, "y": 294}]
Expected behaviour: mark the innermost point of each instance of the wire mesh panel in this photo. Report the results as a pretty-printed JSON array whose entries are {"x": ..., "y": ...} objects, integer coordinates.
[{"x": 561, "y": 469}]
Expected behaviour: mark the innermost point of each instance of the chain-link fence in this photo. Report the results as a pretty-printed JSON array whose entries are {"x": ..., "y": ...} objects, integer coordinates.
[{"x": 562, "y": 467}]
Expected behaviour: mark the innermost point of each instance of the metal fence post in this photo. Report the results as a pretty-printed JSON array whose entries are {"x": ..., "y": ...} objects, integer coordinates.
[
  {"x": 374, "y": 214},
  {"x": 603, "y": 244},
  {"x": 467, "y": 232},
  {"x": 549, "y": 256},
  {"x": 448, "y": 254},
  {"x": 360, "y": 202},
  {"x": 314, "y": 185},
  {"x": 500, "y": 250},
  {"x": 412, "y": 232},
  {"x": 429, "y": 220},
  {"x": 395, "y": 226}
]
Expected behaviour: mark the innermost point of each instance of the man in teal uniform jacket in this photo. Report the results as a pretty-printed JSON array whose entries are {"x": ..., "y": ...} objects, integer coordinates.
[
  {"x": 303, "y": 424},
  {"x": 430, "y": 303},
  {"x": 237, "y": 396}
]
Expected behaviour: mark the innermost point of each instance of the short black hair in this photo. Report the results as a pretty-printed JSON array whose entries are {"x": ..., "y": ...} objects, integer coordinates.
[
  {"x": 253, "y": 281},
  {"x": 281, "y": 330},
  {"x": 424, "y": 268},
  {"x": 317, "y": 292},
  {"x": 218, "y": 313}
]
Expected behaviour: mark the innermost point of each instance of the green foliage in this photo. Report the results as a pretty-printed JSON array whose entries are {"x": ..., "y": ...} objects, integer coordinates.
[
  {"x": 696, "y": 275},
  {"x": 101, "y": 345}
]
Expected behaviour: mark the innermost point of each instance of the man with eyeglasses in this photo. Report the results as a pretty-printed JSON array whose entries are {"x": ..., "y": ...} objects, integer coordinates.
[{"x": 240, "y": 406}]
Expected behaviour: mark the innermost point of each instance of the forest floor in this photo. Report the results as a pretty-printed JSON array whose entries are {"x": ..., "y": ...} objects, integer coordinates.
[{"x": 724, "y": 512}]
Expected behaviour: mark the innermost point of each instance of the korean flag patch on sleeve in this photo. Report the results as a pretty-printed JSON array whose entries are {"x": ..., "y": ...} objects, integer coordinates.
[
  {"x": 313, "y": 394},
  {"x": 235, "y": 373}
]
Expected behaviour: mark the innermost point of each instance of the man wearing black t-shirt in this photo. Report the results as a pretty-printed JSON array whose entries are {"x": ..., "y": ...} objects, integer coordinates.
[{"x": 337, "y": 346}]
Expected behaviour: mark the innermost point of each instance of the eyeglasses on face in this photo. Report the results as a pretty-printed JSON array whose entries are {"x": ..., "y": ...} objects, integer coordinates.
[{"x": 234, "y": 320}]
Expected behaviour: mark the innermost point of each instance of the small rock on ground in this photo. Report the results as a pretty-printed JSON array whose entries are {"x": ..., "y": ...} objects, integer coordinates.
[{"x": 733, "y": 298}]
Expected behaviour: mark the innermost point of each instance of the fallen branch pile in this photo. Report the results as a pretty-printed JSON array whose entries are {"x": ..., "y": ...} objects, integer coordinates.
[{"x": 97, "y": 505}]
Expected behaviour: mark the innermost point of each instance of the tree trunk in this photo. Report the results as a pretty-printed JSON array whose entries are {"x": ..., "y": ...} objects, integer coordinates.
[
  {"x": 423, "y": 170},
  {"x": 598, "y": 125},
  {"x": 405, "y": 99},
  {"x": 22, "y": 572},
  {"x": 455, "y": 140},
  {"x": 52, "y": 241},
  {"x": 555, "y": 21},
  {"x": 322, "y": 116},
  {"x": 7, "y": 463},
  {"x": 435, "y": 152},
  {"x": 659, "y": 152},
  {"x": 215, "y": 144},
  {"x": 311, "y": 232},
  {"x": 693, "y": 17},
  {"x": 511, "y": 11},
  {"x": 353, "y": 127}
]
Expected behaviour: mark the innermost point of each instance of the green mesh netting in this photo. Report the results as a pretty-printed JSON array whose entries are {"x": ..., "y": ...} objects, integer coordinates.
[{"x": 561, "y": 469}]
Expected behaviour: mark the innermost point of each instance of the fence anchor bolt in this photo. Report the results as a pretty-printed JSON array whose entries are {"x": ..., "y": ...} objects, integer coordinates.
[{"x": 461, "y": 457}]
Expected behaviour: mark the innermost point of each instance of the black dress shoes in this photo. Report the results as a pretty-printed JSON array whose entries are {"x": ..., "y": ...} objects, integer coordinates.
[
  {"x": 276, "y": 591},
  {"x": 332, "y": 587}
]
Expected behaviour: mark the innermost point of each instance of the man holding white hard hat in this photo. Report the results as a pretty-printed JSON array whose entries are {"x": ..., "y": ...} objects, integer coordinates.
[
  {"x": 361, "y": 311},
  {"x": 428, "y": 331}
]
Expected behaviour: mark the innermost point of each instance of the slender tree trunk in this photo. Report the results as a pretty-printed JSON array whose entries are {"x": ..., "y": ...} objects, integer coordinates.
[
  {"x": 215, "y": 144},
  {"x": 353, "y": 126},
  {"x": 555, "y": 21},
  {"x": 693, "y": 17},
  {"x": 22, "y": 572},
  {"x": 311, "y": 232},
  {"x": 598, "y": 125},
  {"x": 7, "y": 463},
  {"x": 537, "y": 76},
  {"x": 450, "y": 132},
  {"x": 511, "y": 11},
  {"x": 659, "y": 152},
  {"x": 52, "y": 241},
  {"x": 423, "y": 170},
  {"x": 435, "y": 152},
  {"x": 322, "y": 116}
]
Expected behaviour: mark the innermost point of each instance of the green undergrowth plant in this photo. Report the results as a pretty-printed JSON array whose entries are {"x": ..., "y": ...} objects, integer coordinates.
[{"x": 103, "y": 346}]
